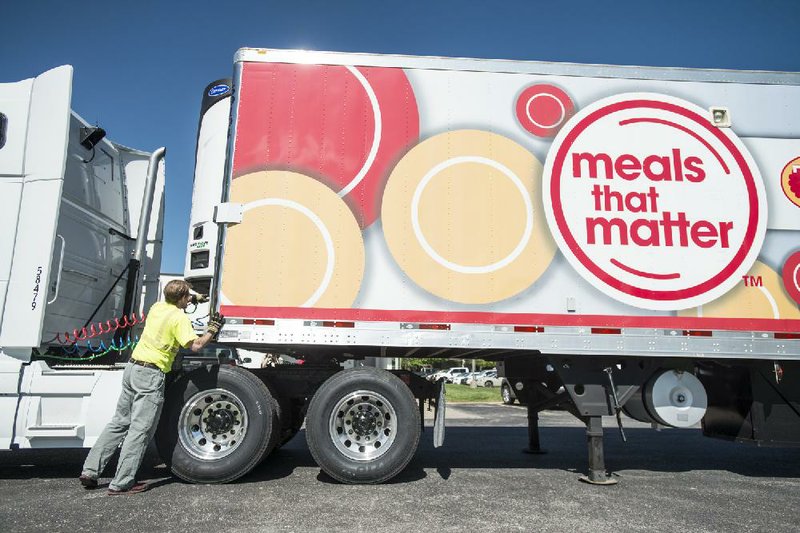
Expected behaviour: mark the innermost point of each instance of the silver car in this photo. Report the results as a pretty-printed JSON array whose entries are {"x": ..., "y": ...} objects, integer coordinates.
[{"x": 488, "y": 379}]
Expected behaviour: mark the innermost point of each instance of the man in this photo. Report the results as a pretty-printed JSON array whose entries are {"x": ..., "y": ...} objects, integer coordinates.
[{"x": 166, "y": 329}]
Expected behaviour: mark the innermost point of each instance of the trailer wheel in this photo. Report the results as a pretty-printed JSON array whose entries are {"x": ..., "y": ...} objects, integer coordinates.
[
  {"x": 363, "y": 426},
  {"x": 218, "y": 423},
  {"x": 505, "y": 393}
]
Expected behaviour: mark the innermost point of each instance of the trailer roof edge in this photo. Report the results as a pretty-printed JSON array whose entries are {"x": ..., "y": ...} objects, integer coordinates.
[{"x": 265, "y": 55}]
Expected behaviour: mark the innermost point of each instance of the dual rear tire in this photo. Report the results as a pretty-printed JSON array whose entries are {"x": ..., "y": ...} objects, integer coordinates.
[
  {"x": 363, "y": 426},
  {"x": 219, "y": 422}
]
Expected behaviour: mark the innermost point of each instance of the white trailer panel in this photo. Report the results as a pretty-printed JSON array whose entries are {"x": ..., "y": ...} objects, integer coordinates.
[{"x": 386, "y": 194}]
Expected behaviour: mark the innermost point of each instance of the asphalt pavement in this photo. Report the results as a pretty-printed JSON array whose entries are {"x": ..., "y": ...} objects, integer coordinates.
[{"x": 669, "y": 480}]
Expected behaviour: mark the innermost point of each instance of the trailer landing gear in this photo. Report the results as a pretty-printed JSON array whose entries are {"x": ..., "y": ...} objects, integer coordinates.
[
  {"x": 597, "y": 466},
  {"x": 594, "y": 435},
  {"x": 534, "y": 447},
  {"x": 540, "y": 398}
]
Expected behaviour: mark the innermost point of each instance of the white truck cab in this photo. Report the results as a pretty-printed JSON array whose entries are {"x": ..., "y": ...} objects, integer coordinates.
[{"x": 80, "y": 239}]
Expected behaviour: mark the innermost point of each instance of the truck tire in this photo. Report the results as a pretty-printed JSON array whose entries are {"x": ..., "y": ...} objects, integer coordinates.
[
  {"x": 218, "y": 423},
  {"x": 363, "y": 426},
  {"x": 505, "y": 393}
]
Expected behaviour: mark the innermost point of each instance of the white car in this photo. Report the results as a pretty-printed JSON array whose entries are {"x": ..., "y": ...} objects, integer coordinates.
[
  {"x": 467, "y": 379},
  {"x": 456, "y": 378},
  {"x": 448, "y": 374},
  {"x": 489, "y": 379}
]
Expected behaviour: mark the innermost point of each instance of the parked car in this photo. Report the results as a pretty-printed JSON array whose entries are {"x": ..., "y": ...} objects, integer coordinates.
[
  {"x": 489, "y": 379},
  {"x": 456, "y": 378},
  {"x": 448, "y": 374},
  {"x": 425, "y": 373},
  {"x": 466, "y": 380},
  {"x": 507, "y": 392}
]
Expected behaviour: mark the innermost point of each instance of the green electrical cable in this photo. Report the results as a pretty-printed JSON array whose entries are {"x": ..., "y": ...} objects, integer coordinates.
[{"x": 90, "y": 357}]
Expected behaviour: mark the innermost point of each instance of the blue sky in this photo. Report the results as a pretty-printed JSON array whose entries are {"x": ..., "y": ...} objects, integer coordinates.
[{"x": 141, "y": 67}]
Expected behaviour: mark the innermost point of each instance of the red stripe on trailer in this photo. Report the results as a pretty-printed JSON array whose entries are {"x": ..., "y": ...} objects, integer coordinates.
[{"x": 470, "y": 317}]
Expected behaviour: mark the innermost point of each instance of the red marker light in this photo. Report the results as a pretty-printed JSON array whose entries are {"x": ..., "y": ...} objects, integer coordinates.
[
  {"x": 332, "y": 324},
  {"x": 606, "y": 331},
  {"x": 528, "y": 329},
  {"x": 696, "y": 333}
]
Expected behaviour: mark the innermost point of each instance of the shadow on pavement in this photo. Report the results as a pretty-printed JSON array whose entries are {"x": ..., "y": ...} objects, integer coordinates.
[
  {"x": 466, "y": 447},
  {"x": 67, "y": 463},
  {"x": 669, "y": 450}
]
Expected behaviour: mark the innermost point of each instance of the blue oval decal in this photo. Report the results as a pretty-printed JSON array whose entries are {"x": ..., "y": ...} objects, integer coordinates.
[{"x": 218, "y": 90}]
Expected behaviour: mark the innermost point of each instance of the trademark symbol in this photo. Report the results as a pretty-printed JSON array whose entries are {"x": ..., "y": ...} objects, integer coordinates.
[{"x": 752, "y": 281}]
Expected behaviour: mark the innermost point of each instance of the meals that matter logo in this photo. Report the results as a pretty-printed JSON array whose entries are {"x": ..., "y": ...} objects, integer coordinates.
[{"x": 651, "y": 203}]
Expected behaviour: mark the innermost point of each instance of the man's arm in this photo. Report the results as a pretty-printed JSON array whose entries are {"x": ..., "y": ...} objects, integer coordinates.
[
  {"x": 214, "y": 325},
  {"x": 200, "y": 342}
]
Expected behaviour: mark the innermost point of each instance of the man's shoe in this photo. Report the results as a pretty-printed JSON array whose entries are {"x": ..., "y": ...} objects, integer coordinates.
[
  {"x": 135, "y": 489},
  {"x": 88, "y": 482}
]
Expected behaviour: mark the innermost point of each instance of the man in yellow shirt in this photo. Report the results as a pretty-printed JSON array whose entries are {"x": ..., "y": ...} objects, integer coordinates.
[{"x": 166, "y": 329}]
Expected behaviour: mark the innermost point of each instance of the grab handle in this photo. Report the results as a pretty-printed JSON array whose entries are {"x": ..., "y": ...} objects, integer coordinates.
[{"x": 60, "y": 265}]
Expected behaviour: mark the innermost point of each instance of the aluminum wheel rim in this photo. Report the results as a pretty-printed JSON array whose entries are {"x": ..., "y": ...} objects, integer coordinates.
[
  {"x": 506, "y": 393},
  {"x": 212, "y": 424},
  {"x": 363, "y": 425}
]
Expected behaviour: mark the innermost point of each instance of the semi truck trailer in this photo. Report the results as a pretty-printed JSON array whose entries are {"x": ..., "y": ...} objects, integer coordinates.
[{"x": 617, "y": 239}]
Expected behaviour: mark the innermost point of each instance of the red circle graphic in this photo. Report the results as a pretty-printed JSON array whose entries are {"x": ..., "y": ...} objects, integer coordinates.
[
  {"x": 791, "y": 276},
  {"x": 542, "y": 109},
  {"x": 345, "y": 126}
]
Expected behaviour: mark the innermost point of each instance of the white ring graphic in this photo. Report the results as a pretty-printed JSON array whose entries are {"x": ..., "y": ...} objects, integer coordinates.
[
  {"x": 554, "y": 124},
  {"x": 454, "y": 266},
  {"x": 376, "y": 138},
  {"x": 326, "y": 236},
  {"x": 796, "y": 278},
  {"x": 772, "y": 302}
]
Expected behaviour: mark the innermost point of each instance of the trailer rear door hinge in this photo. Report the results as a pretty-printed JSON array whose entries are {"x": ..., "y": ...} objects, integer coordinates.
[{"x": 228, "y": 213}]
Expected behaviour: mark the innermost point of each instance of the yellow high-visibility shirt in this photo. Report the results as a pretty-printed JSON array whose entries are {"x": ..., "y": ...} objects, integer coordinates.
[{"x": 166, "y": 329}]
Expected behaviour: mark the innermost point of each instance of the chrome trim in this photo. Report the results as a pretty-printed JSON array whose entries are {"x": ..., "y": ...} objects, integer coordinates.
[{"x": 147, "y": 204}]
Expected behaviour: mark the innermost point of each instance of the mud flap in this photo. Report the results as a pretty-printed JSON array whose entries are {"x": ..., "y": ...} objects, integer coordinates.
[{"x": 438, "y": 417}]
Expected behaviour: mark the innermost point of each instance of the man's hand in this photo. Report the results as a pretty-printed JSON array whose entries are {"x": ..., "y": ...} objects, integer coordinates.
[
  {"x": 215, "y": 324},
  {"x": 199, "y": 299}
]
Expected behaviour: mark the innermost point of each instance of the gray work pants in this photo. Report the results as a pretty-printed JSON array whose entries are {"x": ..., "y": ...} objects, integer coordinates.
[{"x": 133, "y": 424}]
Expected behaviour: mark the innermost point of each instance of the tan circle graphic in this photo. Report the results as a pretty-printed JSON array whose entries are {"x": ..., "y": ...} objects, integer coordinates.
[
  {"x": 298, "y": 245},
  {"x": 759, "y": 295},
  {"x": 462, "y": 216}
]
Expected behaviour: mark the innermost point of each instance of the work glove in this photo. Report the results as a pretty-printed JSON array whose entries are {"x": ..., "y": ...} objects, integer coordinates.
[
  {"x": 215, "y": 324},
  {"x": 199, "y": 299}
]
